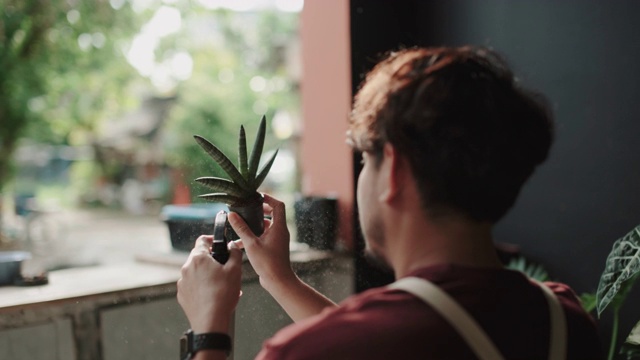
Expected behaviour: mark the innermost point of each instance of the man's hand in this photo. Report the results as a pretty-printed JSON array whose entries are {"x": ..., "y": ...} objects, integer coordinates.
[
  {"x": 269, "y": 256},
  {"x": 269, "y": 253},
  {"x": 208, "y": 291}
]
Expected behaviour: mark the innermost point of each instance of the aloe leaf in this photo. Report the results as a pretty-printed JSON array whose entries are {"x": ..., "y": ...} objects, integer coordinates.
[
  {"x": 223, "y": 161},
  {"x": 221, "y": 185},
  {"x": 256, "y": 152},
  {"x": 242, "y": 154},
  {"x": 620, "y": 272},
  {"x": 264, "y": 171},
  {"x": 221, "y": 198}
]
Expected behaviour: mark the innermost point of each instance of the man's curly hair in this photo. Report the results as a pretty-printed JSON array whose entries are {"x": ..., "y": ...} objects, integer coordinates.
[{"x": 471, "y": 133}]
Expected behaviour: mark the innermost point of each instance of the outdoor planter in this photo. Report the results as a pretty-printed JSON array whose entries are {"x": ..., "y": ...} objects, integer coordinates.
[
  {"x": 10, "y": 266},
  {"x": 187, "y": 222}
]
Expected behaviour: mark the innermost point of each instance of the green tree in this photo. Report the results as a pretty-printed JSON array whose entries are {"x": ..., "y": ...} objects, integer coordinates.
[
  {"x": 218, "y": 97},
  {"x": 61, "y": 68}
]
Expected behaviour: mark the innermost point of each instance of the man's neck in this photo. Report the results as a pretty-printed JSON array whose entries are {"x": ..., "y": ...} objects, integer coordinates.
[{"x": 417, "y": 243}]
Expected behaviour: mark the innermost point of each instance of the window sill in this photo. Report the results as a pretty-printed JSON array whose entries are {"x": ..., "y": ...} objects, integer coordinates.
[{"x": 154, "y": 271}]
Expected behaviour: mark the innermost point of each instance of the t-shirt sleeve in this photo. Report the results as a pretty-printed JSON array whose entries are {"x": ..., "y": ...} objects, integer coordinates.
[{"x": 581, "y": 323}]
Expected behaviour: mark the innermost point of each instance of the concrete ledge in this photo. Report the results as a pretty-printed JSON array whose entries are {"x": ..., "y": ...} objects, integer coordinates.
[
  {"x": 90, "y": 297},
  {"x": 76, "y": 283},
  {"x": 150, "y": 269}
]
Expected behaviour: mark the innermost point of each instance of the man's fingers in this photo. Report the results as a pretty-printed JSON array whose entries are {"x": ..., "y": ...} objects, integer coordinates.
[
  {"x": 276, "y": 205},
  {"x": 204, "y": 240},
  {"x": 203, "y": 243},
  {"x": 235, "y": 254},
  {"x": 266, "y": 208},
  {"x": 241, "y": 228},
  {"x": 239, "y": 243}
]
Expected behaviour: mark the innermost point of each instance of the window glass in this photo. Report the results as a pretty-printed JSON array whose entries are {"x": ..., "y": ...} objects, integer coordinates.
[{"x": 106, "y": 108}]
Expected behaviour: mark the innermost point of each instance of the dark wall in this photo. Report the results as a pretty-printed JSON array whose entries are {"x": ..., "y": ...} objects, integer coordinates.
[
  {"x": 377, "y": 27},
  {"x": 585, "y": 56}
]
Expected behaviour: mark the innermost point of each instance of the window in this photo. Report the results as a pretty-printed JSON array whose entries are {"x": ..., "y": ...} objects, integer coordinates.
[{"x": 108, "y": 141}]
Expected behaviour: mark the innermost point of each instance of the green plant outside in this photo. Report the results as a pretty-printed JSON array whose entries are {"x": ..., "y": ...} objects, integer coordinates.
[
  {"x": 49, "y": 85},
  {"x": 63, "y": 94},
  {"x": 217, "y": 99}
]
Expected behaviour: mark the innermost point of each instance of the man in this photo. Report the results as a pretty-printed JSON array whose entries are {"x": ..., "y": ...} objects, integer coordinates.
[{"x": 448, "y": 138}]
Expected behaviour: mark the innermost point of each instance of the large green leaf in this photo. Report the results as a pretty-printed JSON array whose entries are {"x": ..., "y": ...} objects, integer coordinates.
[
  {"x": 264, "y": 171},
  {"x": 223, "y": 161},
  {"x": 221, "y": 185},
  {"x": 620, "y": 272},
  {"x": 256, "y": 152},
  {"x": 242, "y": 154}
]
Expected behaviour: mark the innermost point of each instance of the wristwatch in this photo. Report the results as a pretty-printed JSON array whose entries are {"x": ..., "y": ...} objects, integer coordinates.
[{"x": 191, "y": 343}]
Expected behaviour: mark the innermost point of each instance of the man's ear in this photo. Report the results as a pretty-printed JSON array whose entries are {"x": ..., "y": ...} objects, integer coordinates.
[{"x": 392, "y": 169}]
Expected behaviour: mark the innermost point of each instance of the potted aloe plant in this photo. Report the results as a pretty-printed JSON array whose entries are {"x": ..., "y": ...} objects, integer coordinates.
[{"x": 240, "y": 191}]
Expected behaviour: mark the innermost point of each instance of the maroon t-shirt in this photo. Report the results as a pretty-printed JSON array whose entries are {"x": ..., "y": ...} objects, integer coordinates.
[{"x": 392, "y": 324}]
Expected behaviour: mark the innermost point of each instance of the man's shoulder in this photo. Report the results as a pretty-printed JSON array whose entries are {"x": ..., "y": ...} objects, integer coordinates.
[
  {"x": 363, "y": 322},
  {"x": 370, "y": 323}
]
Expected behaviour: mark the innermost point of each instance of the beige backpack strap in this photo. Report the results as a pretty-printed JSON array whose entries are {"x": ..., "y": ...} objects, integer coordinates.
[
  {"x": 558, "y": 341},
  {"x": 457, "y": 317},
  {"x": 469, "y": 329}
]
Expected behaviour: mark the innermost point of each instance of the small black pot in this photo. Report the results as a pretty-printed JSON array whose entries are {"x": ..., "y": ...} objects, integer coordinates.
[{"x": 252, "y": 214}]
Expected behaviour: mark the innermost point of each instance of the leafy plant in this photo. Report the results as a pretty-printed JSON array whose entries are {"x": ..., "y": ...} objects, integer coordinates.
[
  {"x": 216, "y": 100},
  {"x": 620, "y": 273},
  {"x": 241, "y": 191},
  {"x": 531, "y": 269},
  {"x": 588, "y": 301},
  {"x": 631, "y": 347},
  {"x": 49, "y": 84}
]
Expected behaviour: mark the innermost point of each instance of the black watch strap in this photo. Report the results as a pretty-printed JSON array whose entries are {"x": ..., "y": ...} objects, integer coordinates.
[{"x": 191, "y": 343}]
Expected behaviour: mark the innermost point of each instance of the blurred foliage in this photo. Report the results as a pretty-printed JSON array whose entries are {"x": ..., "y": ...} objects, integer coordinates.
[
  {"x": 55, "y": 59},
  {"x": 588, "y": 301},
  {"x": 532, "y": 269},
  {"x": 64, "y": 74},
  {"x": 217, "y": 98}
]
